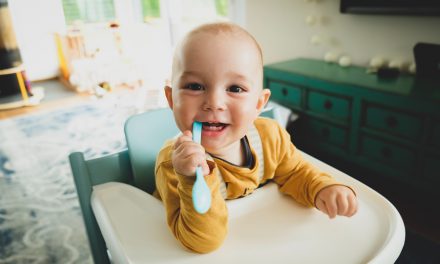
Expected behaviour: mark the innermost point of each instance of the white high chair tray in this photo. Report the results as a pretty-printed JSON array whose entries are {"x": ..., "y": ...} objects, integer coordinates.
[{"x": 265, "y": 227}]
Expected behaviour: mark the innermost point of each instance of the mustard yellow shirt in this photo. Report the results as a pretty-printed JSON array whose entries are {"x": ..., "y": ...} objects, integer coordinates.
[{"x": 282, "y": 163}]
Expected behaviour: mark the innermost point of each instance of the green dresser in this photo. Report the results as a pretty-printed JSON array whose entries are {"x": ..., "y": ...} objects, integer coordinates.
[{"x": 388, "y": 126}]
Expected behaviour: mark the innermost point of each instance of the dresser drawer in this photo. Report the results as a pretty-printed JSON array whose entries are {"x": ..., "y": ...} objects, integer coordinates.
[
  {"x": 394, "y": 122},
  {"x": 434, "y": 135},
  {"x": 286, "y": 94},
  {"x": 387, "y": 153},
  {"x": 329, "y": 105},
  {"x": 319, "y": 131}
]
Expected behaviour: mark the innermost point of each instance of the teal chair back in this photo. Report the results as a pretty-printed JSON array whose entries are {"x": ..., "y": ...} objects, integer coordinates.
[{"x": 145, "y": 134}]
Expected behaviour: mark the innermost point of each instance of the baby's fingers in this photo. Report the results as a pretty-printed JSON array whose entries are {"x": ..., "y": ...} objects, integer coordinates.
[
  {"x": 347, "y": 205},
  {"x": 343, "y": 205},
  {"x": 321, "y": 206},
  {"x": 327, "y": 206},
  {"x": 332, "y": 207},
  {"x": 185, "y": 137}
]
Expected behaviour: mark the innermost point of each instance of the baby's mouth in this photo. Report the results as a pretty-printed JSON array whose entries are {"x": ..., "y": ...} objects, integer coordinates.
[{"x": 215, "y": 126}]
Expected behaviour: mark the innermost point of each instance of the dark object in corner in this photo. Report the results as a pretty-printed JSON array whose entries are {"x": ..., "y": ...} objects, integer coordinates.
[
  {"x": 388, "y": 73},
  {"x": 427, "y": 58},
  {"x": 394, "y": 7}
]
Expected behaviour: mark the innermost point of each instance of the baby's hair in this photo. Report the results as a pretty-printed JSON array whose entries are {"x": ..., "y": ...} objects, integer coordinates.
[{"x": 225, "y": 27}]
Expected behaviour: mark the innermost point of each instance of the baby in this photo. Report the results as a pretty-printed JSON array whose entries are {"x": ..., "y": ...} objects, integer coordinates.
[{"x": 217, "y": 79}]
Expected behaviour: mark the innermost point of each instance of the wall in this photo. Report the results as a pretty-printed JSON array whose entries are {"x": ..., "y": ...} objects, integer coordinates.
[
  {"x": 35, "y": 23},
  {"x": 280, "y": 27}
]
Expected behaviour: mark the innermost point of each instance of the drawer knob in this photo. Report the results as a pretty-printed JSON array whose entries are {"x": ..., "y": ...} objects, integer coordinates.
[
  {"x": 284, "y": 91},
  {"x": 386, "y": 152},
  {"x": 328, "y": 104},
  {"x": 391, "y": 121}
]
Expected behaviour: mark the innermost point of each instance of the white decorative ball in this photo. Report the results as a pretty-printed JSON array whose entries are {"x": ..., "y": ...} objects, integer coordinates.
[
  {"x": 345, "y": 61},
  {"x": 331, "y": 57},
  {"x": 395, "y": 64},
  {"x": 377, "y": 62}
]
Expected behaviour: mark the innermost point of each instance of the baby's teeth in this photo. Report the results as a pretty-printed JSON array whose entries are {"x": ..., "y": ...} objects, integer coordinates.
[{"x": 213, "y": 128}]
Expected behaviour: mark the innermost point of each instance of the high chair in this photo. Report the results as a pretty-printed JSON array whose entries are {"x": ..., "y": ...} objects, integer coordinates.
[{"x": 126, "y": 224}]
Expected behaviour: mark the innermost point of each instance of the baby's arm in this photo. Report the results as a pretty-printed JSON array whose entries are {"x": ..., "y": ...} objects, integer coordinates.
[
  {"x": 311, "y": 187},
  {"x": 308, "y": 185},
  {"x": 337, "y": 200},
  {"x": 174, "y": 180}
]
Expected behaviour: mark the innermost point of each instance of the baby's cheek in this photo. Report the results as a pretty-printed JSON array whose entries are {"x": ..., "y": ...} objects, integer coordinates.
[
  {"x": 246, "y": 112},
  {"x": 184, "y": 118}
]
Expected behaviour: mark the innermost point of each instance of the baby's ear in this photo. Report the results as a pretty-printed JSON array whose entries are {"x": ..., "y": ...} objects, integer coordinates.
[
  {"x": 262, "y": 100},
  {"x": 169, "y": 95}
]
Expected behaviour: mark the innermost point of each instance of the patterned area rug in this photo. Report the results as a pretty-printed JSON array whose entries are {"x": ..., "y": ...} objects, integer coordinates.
[{"x": 40, "y": 217}]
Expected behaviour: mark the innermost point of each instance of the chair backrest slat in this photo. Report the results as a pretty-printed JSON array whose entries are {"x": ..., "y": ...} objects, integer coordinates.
[{"x": 114, "y": 167}]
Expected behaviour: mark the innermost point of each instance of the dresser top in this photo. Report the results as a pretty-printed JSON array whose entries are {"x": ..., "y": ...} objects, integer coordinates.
[{"x": 405, "y": 84}]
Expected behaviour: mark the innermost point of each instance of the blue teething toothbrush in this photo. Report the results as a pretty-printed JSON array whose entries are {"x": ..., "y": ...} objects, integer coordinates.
[{"x": 201, "y": 195}]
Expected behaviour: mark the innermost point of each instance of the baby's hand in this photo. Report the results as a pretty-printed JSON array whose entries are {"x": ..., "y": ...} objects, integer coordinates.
[
  {"x": 188, "y": 155},
  {"x": 337, "y": 200}
]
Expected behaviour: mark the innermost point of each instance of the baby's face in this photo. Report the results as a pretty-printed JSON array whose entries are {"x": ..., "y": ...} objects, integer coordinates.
[{"x": 217, "y": 80}]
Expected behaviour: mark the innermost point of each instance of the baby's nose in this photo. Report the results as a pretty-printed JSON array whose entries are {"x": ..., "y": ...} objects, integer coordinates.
[{"x": 214, "y": 101}]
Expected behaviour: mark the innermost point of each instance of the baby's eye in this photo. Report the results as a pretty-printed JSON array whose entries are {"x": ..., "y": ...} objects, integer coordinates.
[
  {"x": 235, "y": 89},
  {"x": 194, "y": 86}
]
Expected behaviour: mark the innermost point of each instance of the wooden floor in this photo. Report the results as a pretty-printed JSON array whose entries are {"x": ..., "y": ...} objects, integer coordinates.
[
  {"x": 4, "y": 114},
  {"x": 56, "y": 96}
]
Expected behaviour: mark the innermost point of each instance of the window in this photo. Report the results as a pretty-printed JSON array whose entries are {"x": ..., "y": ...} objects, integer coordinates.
[
  {"x": 222, "y": 7},
  {"x": 88, "y": 11},
  {"x": 102, "y": 11},
  {"x": 150, "y": 9}
]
